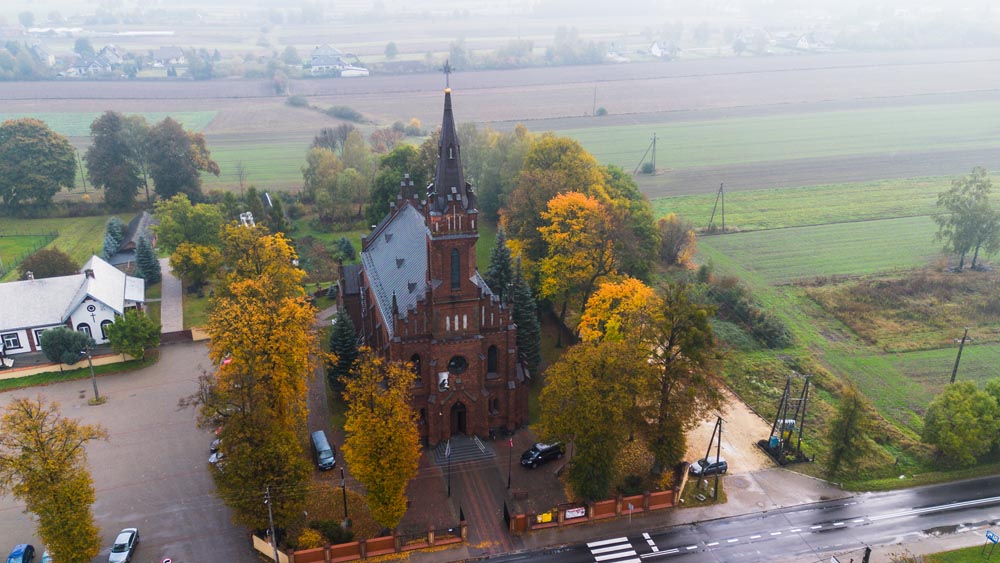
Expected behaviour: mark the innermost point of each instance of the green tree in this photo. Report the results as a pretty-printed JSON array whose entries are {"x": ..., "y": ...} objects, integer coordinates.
[
  {"x": 133, "y": 333},
  {"x": 382, "y": 446},
  {"x": 177, "y": 158},
  {"x": 43, "y": 464},
  {"x": 110, "y": 163},
  {"x": 63, "y": 345},
  {"x": 343, "y": 345},
  {"x": 290, "y": 56},
  {"x": 195, "y": 263},
  {"x": 632, "y": 222},
  {"x": 135, "y": 133},
  {"x": 499, "y": 275},
  {"x": 969, "y": 222},
  {"x": 529, "y": 328},
  {"x": 677, "y": 240},
  {"x": 35, "y": 163},
  {"x": 962, "y": 423},
  {"x": 182, "y": 222},
  {"x": 584, "y": 407},
  {"x": 393, "y": 167},
  {"x": 849, "y": 432},
  {"x": 147, "y": 264},
  {"x": 48, "y": 263},
  {"x": 83, "y": 48},
  {"x": 391, "y": 50},
  {"x": 114, "y": 233}
]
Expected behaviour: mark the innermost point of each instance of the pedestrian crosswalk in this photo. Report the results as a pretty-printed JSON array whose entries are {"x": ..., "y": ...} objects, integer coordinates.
[{"x": 617, "y": 550}]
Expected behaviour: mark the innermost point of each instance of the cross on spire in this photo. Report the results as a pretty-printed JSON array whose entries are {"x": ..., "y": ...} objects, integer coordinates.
[{"x": 447, "y": 70}]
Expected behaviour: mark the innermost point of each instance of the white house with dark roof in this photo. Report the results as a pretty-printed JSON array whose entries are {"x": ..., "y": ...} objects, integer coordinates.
[{"x": 88, "y": 302}]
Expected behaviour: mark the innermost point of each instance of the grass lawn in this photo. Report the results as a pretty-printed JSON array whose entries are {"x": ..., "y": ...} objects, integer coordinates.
[
  {"x": 77, "y": 373},
  {"x": 77, "y": 124},
  {"x": 842, "y": 249},
  {"x": 781, "y": 137},
  {"x": 813, "y": 205},
  {"x": 14, "y": 248},
  {"x": 80, "y": 237},
  {"x": 196, "y": 309}
]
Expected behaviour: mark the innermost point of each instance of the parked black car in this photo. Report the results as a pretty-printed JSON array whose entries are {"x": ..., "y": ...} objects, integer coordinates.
[
  {"x": 709, "y": 466},
  {"x": 540, "y": 453}
]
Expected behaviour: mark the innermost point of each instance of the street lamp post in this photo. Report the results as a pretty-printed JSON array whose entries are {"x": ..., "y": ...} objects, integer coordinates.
[
  {"x": 510, "y": 456},
  {"x": 93, "y": 378},
  {"x": 343, "y": 488}
]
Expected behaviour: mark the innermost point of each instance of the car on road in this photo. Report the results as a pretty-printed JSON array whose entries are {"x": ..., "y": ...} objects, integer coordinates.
[
  {"x": 709, "y": 466},
  {"x": 22, "y": 553},
  {"x": 540, "y": 453},
  {"x": 124, "y": 546},
  {"x": 215, "y": 445}
]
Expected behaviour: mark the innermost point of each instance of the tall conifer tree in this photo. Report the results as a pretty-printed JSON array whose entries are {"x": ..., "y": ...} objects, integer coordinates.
[
  {"x": 498, "y": 274},
  {"x": 147, "y": 265},
  {"x": 529, "y": 329},
  {"x": 343, "y": 343}
]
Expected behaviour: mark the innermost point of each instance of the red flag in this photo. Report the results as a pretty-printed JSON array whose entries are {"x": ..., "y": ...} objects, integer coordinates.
[{"x": 511, "y": 440}]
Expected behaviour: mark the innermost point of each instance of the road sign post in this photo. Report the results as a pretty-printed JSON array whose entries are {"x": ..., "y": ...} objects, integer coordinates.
[
  {"x": 630, "y": 509},
  {"x": 993, "y": 538}
]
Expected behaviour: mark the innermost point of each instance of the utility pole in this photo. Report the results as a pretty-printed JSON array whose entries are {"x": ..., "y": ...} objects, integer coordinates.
[
  {"x": 270, "y": 518},
  {"x": 868, "y": 554},
  {"x": 594, "y": 110},
  {"x": 654, "y": 153},
  {"x": 343, "y": 489},
  {"x": 954, "y": 370}
]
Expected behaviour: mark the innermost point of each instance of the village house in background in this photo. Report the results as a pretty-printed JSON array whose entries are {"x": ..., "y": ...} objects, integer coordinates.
[
  {"x": 88, "y": 302},
  {"x": 417, "y": 297},
  {"x": 140, "y": 226},
  {"x": 330, "y": 61}
]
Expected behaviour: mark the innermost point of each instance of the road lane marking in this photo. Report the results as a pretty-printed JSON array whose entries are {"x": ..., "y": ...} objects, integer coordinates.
[
  {"x": 606, "y": 542},
  {"x": 649, "y": 540},
  {"x": 815, "y": 527},
  {"x": 775, "y": 533},
  {"x": 858, "y": 520},
  {"x": 616, "y": 555},
  {"x": 618, "y": 547},
  {"x": 938, "y": 508},
  {"x": 734, "y": 540},
  {"x": 713, "y": 544},
  {"x": 690, "y": 547},
  {"x": 796, "y": 530},
  {"x": 754, "y": 537},
  {"x": 838, "y": 523},
  {"x": 671, "y": 551}
]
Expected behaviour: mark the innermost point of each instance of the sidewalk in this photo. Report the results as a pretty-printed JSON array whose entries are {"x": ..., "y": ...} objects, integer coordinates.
[
  {"x": 171, "y": 300},
  {"x": 747, "y": 493}
]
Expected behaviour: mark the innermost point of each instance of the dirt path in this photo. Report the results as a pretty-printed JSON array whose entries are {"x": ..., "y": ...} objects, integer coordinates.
[{"x": 740, "y": 432}]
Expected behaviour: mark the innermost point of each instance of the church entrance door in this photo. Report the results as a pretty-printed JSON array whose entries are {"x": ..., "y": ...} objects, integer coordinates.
[{"x": 458, "y": 419}]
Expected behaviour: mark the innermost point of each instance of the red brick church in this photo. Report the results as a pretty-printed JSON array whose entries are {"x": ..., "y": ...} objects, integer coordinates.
[{"x": 417, "y": 297}]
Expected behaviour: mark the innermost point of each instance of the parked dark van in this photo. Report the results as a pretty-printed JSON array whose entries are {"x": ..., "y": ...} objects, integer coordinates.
[
  {"x": 540, "y": 453},
  {"x": 325, "y": 458}
]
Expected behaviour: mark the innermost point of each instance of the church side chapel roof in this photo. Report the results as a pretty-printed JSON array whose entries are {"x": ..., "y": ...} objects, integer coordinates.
[{"x": 395, "y": 260}]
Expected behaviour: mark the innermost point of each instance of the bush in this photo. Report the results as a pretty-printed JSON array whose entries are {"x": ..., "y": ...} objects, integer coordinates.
[
  {"x": 647, "y": 168},
  {"x": 310, "y": 539},
  {"x": 295, "y": 210},
  {"x": 414, "y": 128},
  {"x": 346, "y": 112},
  {"x": 297, "y": 101},
  {"x": 346, "y": 250},
  {"x": 601, "y": 111},
  {"x": 332, "y": 531},
  {"x": 398, "y": 126}
]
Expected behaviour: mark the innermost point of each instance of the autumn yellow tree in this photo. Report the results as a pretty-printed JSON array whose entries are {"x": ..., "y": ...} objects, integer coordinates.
[
  {"x": 588, "y": 403},
  {"x": 382, "y": 446},
  {"x": 618, "y": 311},
  {"x": 580, "y": 250},
  {"x": 195, "y": 263},
  {"x": 265, "y": 348},
  {"x": 43, "y": 463},
  {"x": 675, "y": 337}
]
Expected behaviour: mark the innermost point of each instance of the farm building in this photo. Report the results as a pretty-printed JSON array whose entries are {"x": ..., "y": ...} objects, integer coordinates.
[
  {"x": 417, "y": 297},
  {"x": 88, "y": 302}
]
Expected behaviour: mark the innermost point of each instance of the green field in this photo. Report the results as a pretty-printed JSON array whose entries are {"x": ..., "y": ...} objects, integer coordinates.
[
  {"x": 14, "y": 248},
  {"x": 826, "y": 134},
  {"x": 77, "y": 124},
  {"x": 268, "y": 164},
  {"x": 813, "y": 205},
  {"x": 80, "y": 237},
  {"x": 840, "y": 249}
]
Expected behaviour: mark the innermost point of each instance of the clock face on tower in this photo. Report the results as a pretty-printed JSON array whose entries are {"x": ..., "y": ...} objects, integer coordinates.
[{"x": 457, "y": 364}]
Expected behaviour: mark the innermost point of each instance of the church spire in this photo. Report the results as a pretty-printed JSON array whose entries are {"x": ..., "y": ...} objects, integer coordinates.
[{"x": 449, "y": 180}]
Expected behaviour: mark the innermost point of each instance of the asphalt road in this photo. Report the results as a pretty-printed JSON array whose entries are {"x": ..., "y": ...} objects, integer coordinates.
[
  {"x": 152, "y": 473},
  {"x": 812, "y": 532}
]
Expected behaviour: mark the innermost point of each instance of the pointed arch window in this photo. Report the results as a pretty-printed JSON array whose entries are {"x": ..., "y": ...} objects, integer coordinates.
[
  {"x": 456, "y": 268},
  {"x": 491, "y": 359},
  {"x": 415, "y": 360}
]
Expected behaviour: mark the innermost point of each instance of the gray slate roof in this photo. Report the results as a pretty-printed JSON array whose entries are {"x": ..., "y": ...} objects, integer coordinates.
[
  {"x": 396, "y": 261},
  {"x": 51, "y": 301}
]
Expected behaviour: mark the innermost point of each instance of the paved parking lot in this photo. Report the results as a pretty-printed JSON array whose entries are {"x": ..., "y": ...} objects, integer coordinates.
[{"x": 152, "y": 473}]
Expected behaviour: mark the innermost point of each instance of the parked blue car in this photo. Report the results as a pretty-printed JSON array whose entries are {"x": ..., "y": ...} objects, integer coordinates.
[{"x": 23, "y": 553}]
